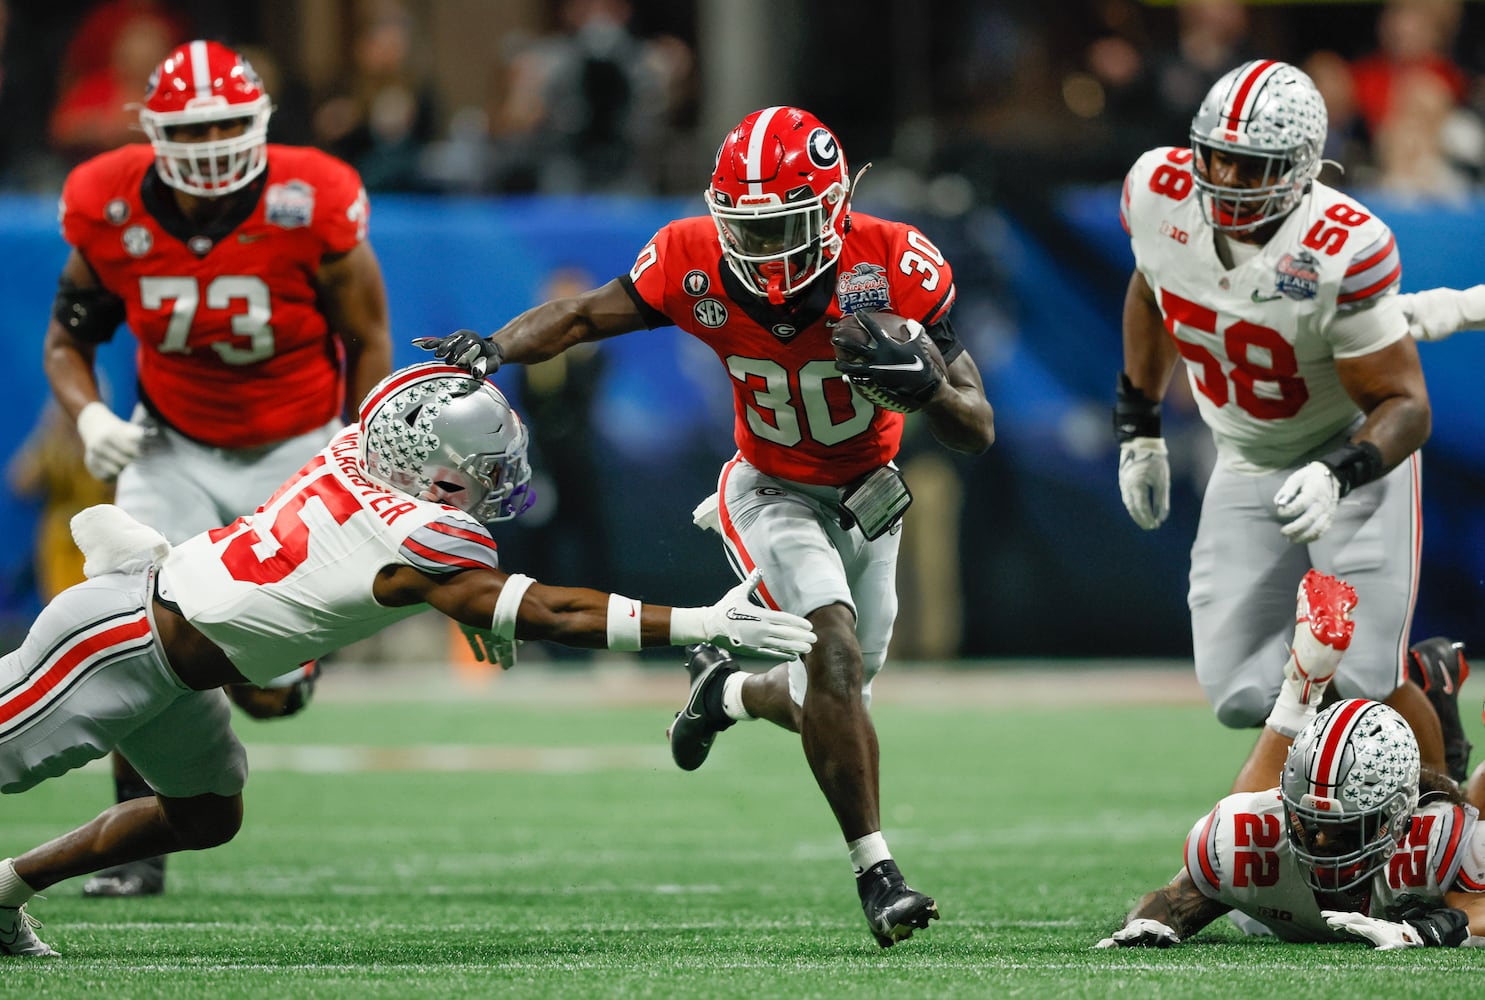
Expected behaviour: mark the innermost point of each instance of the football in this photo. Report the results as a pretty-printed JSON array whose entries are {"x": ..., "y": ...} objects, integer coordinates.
[{"x": 852, "y": 341}]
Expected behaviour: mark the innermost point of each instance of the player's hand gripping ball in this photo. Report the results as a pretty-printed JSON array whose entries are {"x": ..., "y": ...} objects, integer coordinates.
[{"x": 888, "y": 359}]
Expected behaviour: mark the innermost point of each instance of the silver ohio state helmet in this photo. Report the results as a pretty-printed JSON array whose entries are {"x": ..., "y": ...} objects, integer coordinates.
[
  {"x": 1350, "y": 786},
  {"x": 435, "y": 432},
  {"x": 1269, "y": 111}
]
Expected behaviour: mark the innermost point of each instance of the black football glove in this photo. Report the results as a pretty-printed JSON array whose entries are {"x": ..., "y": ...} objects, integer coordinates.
[
  {"x": 466, "y": 349},
  {"x": 895, "y": 376}
]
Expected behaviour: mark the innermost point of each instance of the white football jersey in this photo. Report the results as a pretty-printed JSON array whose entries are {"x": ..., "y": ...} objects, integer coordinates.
[
  {"x": 1239, "y": 854},
  {"x": 293, "y": 580},
  {"x": 1260, "y": 340}
]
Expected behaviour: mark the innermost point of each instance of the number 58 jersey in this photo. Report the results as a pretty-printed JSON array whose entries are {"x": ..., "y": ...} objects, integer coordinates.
[
  {"x": 293, "y": 580},
  {"x": 1239, "y": 854},
  {"x": 1260, "y": 340}
]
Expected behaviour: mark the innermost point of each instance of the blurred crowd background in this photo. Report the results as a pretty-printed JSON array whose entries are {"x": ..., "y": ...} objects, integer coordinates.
[{"x": 516, "y": 148}]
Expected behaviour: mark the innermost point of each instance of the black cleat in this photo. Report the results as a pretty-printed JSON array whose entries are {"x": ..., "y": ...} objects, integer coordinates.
[
  {"x": 137, "y": 878},
  {"x": 1438, "y": 666},
  {"x": 696, "y": 725},
  {"x": 893, "y": 909}
]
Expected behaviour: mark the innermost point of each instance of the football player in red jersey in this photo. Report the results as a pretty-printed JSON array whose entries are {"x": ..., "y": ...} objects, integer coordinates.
[
  {"x": 243, "y": 271},
  {"x": 812, "y": 496}
]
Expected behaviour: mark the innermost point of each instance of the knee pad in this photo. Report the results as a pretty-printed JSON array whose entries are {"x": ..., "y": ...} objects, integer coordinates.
[{"x": 1244, "y": 708}]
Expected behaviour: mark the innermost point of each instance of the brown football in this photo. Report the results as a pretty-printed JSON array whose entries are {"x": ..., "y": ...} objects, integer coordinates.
[{"x": 901, "y": 329}]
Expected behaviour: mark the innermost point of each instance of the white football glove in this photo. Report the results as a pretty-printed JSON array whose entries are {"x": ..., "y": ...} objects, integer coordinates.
[
  {"x": 1383, "y": 934},
  {"x": 1144, "y": 480},
  {"x": 1141, "y": 933},
  {"x": 1435, "y": 313},
  {"x": 736, "y": 623},
  {"x": 109, "y": 442},
  {"x": 487, "y": 647},
  {"x": 1307, "y": 501}
]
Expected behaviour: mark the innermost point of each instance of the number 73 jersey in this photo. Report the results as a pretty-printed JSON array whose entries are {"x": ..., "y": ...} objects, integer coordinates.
[{"x": 1260, "y": 340}]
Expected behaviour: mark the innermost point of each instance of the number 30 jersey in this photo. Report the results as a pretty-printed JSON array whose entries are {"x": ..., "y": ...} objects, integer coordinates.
[
  {"x": 233, "y": 349},
  {"x": 1260, "y": 340},
  {"x": 796, "y": 417},
  {"x": 293, "y": 580},
  {"x": 1239, "y": 854}
]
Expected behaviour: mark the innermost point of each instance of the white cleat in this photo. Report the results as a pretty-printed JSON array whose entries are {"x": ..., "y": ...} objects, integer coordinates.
[{"x": 18, "y": 934}]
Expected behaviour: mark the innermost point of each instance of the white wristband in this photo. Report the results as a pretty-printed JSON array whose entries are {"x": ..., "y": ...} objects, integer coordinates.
[
  {"x": 688, "y": 625},
  {"x": 623, "y": 623},
  {"x": 503, "y": 623}
]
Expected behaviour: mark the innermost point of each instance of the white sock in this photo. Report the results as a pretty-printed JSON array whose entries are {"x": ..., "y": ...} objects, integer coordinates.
[
  {"x": 732, "y": 700},
  {"x": 867, "y": 851},
  {"x": 13, "y": 889},
  {"x": 1291, "y": 713}
]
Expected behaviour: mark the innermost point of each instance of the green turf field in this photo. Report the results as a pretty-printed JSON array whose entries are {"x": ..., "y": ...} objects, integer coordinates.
[{"x": 483, "y": 848}]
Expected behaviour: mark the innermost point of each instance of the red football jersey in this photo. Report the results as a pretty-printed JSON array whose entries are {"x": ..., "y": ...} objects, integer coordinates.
[
  {"x": 797, "y": 418},
  {"x": 232, "y": 349}
]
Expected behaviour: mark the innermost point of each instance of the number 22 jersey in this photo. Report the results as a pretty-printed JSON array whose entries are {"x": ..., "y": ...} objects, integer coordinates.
[{"x": 1239, "y": 854}]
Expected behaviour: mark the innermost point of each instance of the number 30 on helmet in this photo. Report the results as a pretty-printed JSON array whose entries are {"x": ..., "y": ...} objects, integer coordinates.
[
  {"x": 198, "y": 85},
  {"x": 778, "y": 195}
]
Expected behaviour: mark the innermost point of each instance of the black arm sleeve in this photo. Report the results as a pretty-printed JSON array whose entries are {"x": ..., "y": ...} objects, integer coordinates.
[{"x": 89, "y": 314}]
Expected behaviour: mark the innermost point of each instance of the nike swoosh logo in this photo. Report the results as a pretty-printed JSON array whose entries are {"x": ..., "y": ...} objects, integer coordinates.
[
  {"x": 632, "y": 612},
  {"x": 1266, "y": 298},
  {"x": 741, "y": 616},
  {"x": 915, "y": 365}
]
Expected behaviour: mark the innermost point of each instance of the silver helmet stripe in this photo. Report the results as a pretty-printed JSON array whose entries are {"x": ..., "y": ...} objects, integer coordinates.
[
  {"x": 755, "y": 149},
  {"x": 1325, "y": 766},
  {"x": 1239, "y": 105},
  {"x": 200, "y": 70}
]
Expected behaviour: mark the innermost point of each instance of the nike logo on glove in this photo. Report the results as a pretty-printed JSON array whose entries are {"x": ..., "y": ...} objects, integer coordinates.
[
  {"x": 741, "y": 616},
  {"x": 907, "y": 366}
]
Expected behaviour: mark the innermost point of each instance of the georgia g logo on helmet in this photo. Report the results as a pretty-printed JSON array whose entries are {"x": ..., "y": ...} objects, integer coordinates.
[{"x": 823, "y": 150}]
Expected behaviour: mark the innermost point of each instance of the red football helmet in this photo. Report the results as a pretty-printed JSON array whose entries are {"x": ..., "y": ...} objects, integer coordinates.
[
  {"x": 778, "y": 195},
  {"x": 201, "y": 83}
]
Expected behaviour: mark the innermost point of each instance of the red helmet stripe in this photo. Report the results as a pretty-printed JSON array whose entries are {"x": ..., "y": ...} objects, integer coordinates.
[
  {"x": 200, "y": 69},
  {"x": 1328, "y": 760},
  {"x": 406, "y": 378},
  {"x": 1247, "y": 87},
  {"x": 756, "y": 140}
]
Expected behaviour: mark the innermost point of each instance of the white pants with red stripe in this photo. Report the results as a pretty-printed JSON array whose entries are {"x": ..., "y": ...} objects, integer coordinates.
[
  {"x": 793, "y": 531},
  {"x": 181, "y": 487},
  {"x": 90, "y": 678},
  {"x": 1245, "y": 577}
]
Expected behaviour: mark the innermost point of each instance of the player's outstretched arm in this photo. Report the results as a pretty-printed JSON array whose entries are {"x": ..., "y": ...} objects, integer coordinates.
[
  {"x": 542, "y": 332},
  {"x": 1167, "y": 916},
  {"x": 512, "y": 607},
  {"x": 1436, "y": 313}
]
